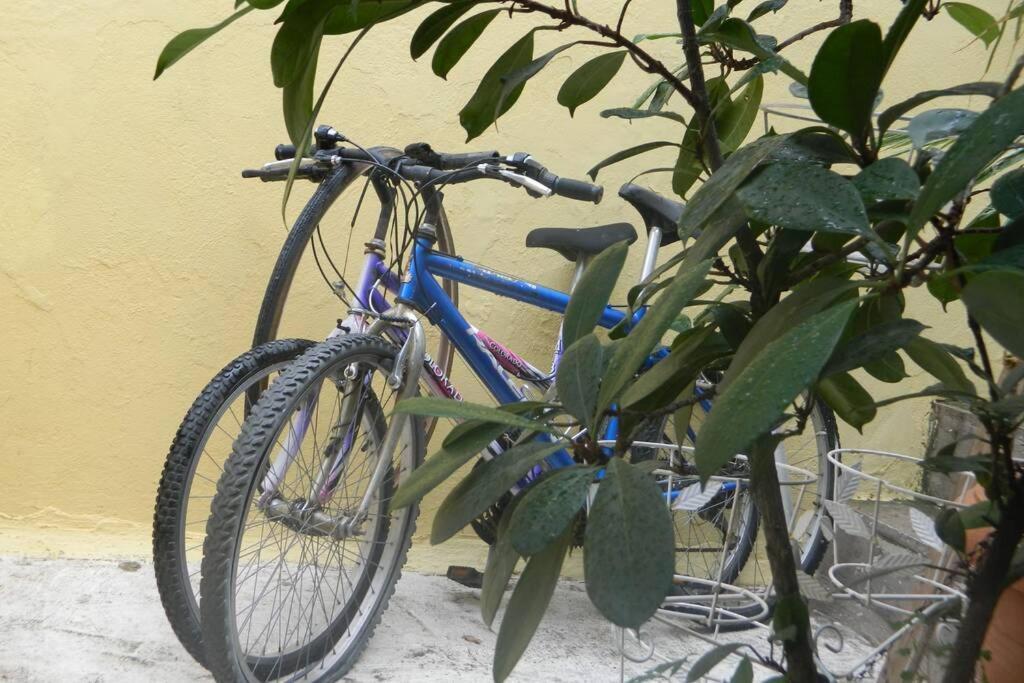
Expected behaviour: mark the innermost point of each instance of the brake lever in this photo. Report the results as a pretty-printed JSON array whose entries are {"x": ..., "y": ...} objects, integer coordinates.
[{"x": 533, "y": 187}]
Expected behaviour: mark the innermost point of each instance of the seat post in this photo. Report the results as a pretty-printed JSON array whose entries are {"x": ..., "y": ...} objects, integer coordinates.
[
  {"x": 581, "y": 264},
  {"x": 651, "y": 255}
]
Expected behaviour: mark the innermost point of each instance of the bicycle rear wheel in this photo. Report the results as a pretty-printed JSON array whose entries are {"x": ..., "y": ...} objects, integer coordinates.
[
  {"x": 292, "y": 588},
  {"x": 193, "y": 465}
]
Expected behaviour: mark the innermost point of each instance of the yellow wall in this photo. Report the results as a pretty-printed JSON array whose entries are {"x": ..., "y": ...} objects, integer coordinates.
[{"x": 133, "y": 258}]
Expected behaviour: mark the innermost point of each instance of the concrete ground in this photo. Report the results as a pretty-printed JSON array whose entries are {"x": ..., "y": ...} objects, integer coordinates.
[{"x": 101, "y": 621}]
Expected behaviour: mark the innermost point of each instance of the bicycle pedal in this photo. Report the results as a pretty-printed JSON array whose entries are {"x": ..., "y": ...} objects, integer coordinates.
[{"x": 467, "y": 576}]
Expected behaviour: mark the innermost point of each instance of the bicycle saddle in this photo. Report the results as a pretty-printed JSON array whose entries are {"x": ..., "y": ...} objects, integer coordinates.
[
  {"x": 573, "y": 242},
  {"x": 657, "y": 211}
]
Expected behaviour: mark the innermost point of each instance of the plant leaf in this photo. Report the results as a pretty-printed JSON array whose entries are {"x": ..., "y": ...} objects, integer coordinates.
[
  {"x": 444, "y": 463},
  {"x": 592, "y": 293},
  {"x": 993, "y": 299},
  {"x": 628, "y": 557},
  {"x": 430, "y": 406},
  {"x": 624, "y": 154},
  {"x": 548, "y": 507},
  {"x": 501, "y": 562},
  {"x": 937, "y": 124},
  {"x": 481, "y": 110},
  {"x": 628, "y": 357},
  {"x": 937, "y": 362},
  {"x": 950, "y": 528},
  {"x": 976, "y": 20},
  {"x": 899, "y": 31},
  {"x": 890, "y": 115},
  {"x": 485, "y": 484},
  {"x": 579, "y": 377},
  {"x": 890, "y": 179},
  {"x": 297, "y": 95},
  {"x": 992, "y": 132},
  {"x": 457, "y": 42},
  {"x": 527, "y": 605},
  {"x": 588, "y": 80},
  {"x": 629, "y": 114},
  {"x": 758, "y": 393},
  {"x": 764, "y": 8},
  {"x": 435, "y": 25},
  {"x": 186, "y": 41},
  {"x": 740, "y": 35},
  {"x": 1008, "y": 194},
  {"x": 354, "y": 15},
  {"x": 517, "y": 78},
  {"x": 802, "y": 196},
  {"x": 848, "y": 399},
  {"x": 872, "y": 345},
  {"x": 845, "y": 76},
  {"x": 709, "y": 660},
  {"x": 723, "y": 183}
]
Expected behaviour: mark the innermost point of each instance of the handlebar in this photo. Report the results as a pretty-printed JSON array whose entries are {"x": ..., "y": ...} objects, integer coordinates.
[{"x": 421, "y": 164}]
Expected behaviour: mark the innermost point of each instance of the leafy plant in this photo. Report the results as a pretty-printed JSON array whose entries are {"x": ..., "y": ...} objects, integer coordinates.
[{"x": 821, "y": 230}]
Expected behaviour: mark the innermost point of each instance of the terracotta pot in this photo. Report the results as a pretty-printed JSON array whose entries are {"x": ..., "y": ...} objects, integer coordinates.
[{"x": 1005, "y": 637}]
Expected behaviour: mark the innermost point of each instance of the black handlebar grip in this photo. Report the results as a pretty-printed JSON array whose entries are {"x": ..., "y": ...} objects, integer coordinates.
[
  {"x": 578, "y": 189},
  {"x": 452, "y": 162},
  {"x": 282, "y": 152}
]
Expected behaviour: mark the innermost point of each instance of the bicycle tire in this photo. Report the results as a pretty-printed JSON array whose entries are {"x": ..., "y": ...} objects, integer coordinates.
[
  {"x": 229, "y": 520},
  {"x": 170, "y": 547},
  {"x": 279, "y": 284}
]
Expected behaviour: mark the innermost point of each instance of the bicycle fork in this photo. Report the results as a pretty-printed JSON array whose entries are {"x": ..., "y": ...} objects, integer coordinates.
[{"x": 404, "y": 378}]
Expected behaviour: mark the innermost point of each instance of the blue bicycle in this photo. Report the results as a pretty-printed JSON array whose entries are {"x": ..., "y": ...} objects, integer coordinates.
[{"x": 303, "y": 551}]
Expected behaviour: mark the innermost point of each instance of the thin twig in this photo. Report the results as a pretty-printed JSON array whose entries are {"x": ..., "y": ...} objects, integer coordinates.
[{"x": 845, "y": 14}]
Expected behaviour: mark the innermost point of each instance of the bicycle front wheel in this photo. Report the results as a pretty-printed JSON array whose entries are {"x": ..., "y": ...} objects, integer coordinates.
[
  {"x": 302, "y": 551},
  {"x": 194, "y": 463}
]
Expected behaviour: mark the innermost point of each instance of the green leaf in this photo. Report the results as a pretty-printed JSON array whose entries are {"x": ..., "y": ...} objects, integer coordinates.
[
  {"x": 501, "y": 562},
  {"x": 887, "y": 180},
  {"x": 689, "y": 164},
  {"x": 845, "y": 76},
  {"x": 579, "y": 376},
  {"x": 430, "y": 406},
  {"x": 692, "y": 351},
  {"x": 592, "y": 293},
  {"x": 435, "y": 25},
  {"x": 297, "y": 96},
  {"x": 628, "y": 552},
  {"x": 976, "y": 20},
  {"x": 992, "y": 132},
  {"x": 548, "y": 507},
  {"x": 802, "y": 196},
  {"x": 993, "y": 299},
  {"x": 444, "y": 463},
  {"x": 526, "y": 607},
  {"x": 710, "y": 659},
  {"x": 481, "y": 110},
  {"x": 354, "y": 15},
  {"x": 758, "y": 393},
  {"x": 724, "y": 182},
  {"x": 627, "y": 153},
  {"x": 900, "y": 29},
  {"x": 186, "y": 41},
  {"x": 296, "y": 43},
  {"x": 485, "y": 484},
  {"x": 1008, "y": 194},
  {"x": 740, "y": 35},
  {"x": 937, "y": 362},
  {"x": 764, "y": 8},
  {"x": 457, "y": 42},
  {"x": 628, "y": 357},
  {"x": 734, "y": 123},
  {"x": 516, "y": 79},
  {"x": 872, "y": 345},
  {"x": 893, "y": 113},
  {"x": 744, "y": 672},
  {"x": 630, "y": 114},
  {"x": 937, "y": 124},
  {"x": 950, "y": 528},
  {"x": 848, "y": 399},
  {"x": 586, "y": 82}
]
